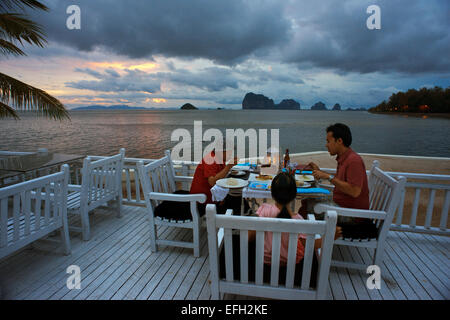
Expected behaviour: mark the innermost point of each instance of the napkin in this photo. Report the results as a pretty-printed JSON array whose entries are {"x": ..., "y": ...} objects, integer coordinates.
[
  {"x": 303, "y": 172},
  {"x": 313, "y": 190},
  {"x": 218, "y": 193}
]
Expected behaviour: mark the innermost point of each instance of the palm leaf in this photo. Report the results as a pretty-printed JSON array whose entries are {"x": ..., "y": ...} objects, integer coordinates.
[
  {"x": 7, "y": 112},
  {"x": 22, "y": 96},
  {"x": 21, "y": 4},
  {"x": 7, "y": 47},
  {"x": 16, "y": 28}
]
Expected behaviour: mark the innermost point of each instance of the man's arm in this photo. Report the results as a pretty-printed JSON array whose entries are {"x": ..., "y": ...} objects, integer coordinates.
[
  {"x": 345, "y": 187},
  {"x": 220, "y": 175}
]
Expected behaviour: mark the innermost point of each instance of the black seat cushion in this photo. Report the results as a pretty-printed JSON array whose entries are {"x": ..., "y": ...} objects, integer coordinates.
[
  {"x": 365, "y": 229},
  {"x": 174, "y": 210}
]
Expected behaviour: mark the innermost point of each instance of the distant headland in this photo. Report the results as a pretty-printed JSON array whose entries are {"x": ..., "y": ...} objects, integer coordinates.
[
  {"x": 188, "y": 106},
  {"x": 258, "y": 101},
  {"x": 417, "y": 102}
]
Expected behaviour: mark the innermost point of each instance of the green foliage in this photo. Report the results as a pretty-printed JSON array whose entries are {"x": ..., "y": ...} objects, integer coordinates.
[
  {"x": 435, "y": 100},
  {"x": 15, "y": 30}
]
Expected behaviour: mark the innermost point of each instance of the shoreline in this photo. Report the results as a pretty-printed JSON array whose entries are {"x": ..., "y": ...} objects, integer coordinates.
[{"x": 416, "y": 114}]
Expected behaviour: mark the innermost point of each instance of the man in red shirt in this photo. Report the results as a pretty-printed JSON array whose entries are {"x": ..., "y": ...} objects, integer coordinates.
[
  {"x": 208, "y": 171},
  {"x": 350, "y": 182}
]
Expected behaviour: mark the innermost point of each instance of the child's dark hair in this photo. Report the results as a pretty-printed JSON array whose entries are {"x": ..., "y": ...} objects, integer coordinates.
[{"x": 284, "y": 190}]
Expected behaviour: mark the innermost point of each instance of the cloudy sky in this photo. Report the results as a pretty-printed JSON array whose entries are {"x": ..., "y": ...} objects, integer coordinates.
[{"x": 212, "y": 52}]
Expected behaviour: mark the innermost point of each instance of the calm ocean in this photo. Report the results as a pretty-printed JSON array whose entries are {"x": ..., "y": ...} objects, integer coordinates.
[{"x": 147, "y": 133}]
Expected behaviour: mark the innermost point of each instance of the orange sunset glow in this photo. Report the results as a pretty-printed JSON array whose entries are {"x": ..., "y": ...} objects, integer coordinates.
[
  {"x": 123, "y": 65},
  {"x": 159, "y": 100}
]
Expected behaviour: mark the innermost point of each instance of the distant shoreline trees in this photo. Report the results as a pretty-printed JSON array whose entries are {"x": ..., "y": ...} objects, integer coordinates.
[{"x": 435, "y": 100}]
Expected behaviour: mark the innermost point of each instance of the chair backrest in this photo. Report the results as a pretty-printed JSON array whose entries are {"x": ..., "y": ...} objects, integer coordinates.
[
  {"x": 287, "y": 290},
  {"x": 157, "y": 176},
  {"x": 101, "y": 179},
  {"x": 384, "y": 193},
  {"x": 29, "y": 209}
]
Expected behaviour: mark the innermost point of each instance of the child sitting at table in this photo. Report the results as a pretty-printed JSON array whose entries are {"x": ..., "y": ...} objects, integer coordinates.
[{"x": 284, "y": 191}]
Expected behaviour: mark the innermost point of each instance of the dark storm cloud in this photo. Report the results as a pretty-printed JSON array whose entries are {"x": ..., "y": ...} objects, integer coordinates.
[
  {"x": 210, "y": 79},
  {"x": 111, "y": 81},
  {"x": 329, "y": 34},
  {"x": 414, "y": 36},
  {"x": 223, "y": 31}
]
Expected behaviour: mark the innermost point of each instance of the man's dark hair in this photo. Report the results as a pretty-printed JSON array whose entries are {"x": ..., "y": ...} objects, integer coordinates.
[{"x": 340, "y": 130}]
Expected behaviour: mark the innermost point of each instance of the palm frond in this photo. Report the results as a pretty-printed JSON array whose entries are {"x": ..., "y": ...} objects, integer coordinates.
[
  {"x": 22, "y": 96},
  {"x": 21, "y": 4},
  {"x": 7, "y": 112},
  {"x": 17, "y": 28},
  {"x": 7, "y": 47}
]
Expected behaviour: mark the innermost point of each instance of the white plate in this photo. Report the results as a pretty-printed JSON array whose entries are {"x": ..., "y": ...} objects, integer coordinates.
[
  {"x": 252, "y": 177},
  {"x": 239, "y": 173},
  {"x": 224, "y": 183},
  {"x": 304, "y": 177},
  {"x": 241, "y": 168},
  {"x": 305, "y": 185}
]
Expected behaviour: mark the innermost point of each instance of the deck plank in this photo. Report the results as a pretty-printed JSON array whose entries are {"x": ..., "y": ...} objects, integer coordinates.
[
  {"x": 421, "y": 274},
  {"x": 439, "y": 270},
  {"x": 117, "y": 263},
  {"x": 55, "y": 269},
  {"x": 426, "y": 250},
  {"x": 136, "y": 275},
  {"x": 175, "y": 285}
]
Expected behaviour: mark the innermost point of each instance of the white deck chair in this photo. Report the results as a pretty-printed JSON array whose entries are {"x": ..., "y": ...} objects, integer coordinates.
[
  {"x": 101, "y": 181},
  {"x": 158, "y": 181},
  {"x": 32, "y": 209},
  {"x": 220, "y": 230},
  {"x": 384, "y": 195}
]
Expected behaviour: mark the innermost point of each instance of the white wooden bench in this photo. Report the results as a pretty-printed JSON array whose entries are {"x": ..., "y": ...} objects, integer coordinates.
[
  {"x": 32, "y": 209},
  {"x": 158, "y": 181},
  {"x": 101, "y": 181},
  {"x": 384, "y": 196},
  {"x": 220, "y": 230}
]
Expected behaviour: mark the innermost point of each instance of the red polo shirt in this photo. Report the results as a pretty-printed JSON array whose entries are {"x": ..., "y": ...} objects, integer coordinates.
[
  {"x": 351, "y": 169},
  {"x": 204, "y": 170}
]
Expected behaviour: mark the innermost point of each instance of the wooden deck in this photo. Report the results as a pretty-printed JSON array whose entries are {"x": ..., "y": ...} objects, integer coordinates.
[{"x": 118, "y": 264}]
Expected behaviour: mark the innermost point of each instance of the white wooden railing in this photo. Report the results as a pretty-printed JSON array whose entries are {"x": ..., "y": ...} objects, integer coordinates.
[{"x": 133, "y": 196}]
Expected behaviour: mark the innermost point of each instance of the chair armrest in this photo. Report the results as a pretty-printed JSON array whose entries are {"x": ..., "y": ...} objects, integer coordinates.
[
  {"x": 347, "y": 212},
  {"x": 183, "y": 178},
  {"x": 74, "y": 187},
  {"x": 199, "y": 197}
]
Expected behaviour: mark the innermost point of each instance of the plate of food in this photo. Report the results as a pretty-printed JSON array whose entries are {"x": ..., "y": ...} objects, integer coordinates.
[
  {"x": 231, "y": 183},
  {"x": 304, "y": 177},
  {"x": 237, "y": 173},
  {"x": 263, "y": 177},
  {"x": 240, "y": 168},
  {"x": 302, "y": 184}
]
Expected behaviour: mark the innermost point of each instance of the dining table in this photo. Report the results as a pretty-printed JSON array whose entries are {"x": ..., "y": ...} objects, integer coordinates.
[
  {"x": 16, "y": 167},
  {"x": 312, "y": 190}
]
